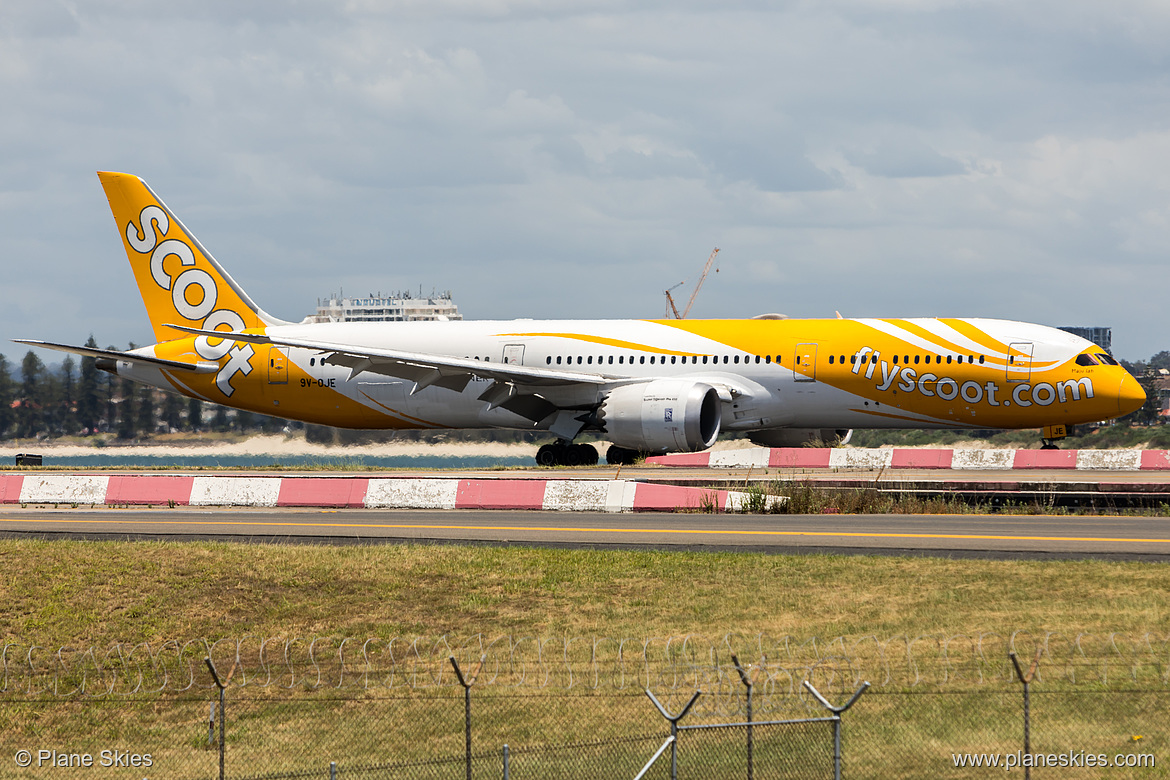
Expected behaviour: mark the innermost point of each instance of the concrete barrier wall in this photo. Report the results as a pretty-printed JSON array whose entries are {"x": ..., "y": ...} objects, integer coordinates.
[
  {"x": 576, "y": 495},
  {"x": 235, "y": 491},
  {"x": 905, "y": 458},
  {"x": 63, "y": 489}
]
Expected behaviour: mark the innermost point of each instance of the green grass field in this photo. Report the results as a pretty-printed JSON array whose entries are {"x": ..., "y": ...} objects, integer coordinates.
[
  {"x": 96, "y": 593},
  {"x": 81, "y": 593}
]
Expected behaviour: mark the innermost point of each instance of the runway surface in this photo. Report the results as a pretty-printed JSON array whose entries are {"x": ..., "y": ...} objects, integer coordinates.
[{"x": 976, "y": 536}]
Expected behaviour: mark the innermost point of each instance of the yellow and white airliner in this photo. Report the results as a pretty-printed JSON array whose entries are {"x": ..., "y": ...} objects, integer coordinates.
[{"x": 650, "y": 386}]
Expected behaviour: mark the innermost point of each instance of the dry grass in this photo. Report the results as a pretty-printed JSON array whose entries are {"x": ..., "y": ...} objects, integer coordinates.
[{"x": 79, "y": 593}]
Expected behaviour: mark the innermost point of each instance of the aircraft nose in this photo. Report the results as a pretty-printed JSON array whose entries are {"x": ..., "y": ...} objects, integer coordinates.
[{"x": 1130, "y": 396}]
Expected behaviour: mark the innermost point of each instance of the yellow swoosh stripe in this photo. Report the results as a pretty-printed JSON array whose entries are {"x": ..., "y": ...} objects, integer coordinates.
[{"x": 607, "y": 342}]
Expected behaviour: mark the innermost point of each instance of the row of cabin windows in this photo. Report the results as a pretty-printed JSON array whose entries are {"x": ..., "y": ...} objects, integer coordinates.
[
  {"x": 735, "y": 359},
  {"x": 905, "y": 359},
  {"x": 660, "y": 359}
]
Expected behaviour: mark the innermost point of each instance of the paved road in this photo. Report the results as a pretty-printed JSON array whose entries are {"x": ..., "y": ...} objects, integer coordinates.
[{"x": 995, "y": 536}]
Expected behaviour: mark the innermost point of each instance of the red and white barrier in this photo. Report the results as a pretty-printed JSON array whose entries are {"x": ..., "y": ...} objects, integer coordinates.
[
  {"x": 957, "y": 460},
  {"x": 562, "y": 495}
]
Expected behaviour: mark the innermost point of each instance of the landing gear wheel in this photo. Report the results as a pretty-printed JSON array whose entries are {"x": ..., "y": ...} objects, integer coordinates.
[
  {"x": 565, "y": 454},
  {"x": 621, "y": 456},
  {"x": 548, "y": 455},
  {"x": 1048, "y": 445},
  {"x": 583, "y": 455}
]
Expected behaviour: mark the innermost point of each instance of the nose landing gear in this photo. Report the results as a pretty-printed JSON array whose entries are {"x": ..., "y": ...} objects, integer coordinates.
[{"x": 1050, "y": 434}]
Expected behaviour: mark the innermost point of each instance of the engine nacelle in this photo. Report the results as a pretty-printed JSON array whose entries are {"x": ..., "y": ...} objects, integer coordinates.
[
  {"x": 800, "y": 437},
  {"x": 665, "y": 415}
]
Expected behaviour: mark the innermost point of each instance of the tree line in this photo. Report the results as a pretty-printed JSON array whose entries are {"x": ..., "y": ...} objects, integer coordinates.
[{"x": 74, "y": 398}]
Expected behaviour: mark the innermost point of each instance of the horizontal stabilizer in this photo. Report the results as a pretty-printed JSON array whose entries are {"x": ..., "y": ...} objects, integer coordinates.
[{"x": 199, "y": 367}]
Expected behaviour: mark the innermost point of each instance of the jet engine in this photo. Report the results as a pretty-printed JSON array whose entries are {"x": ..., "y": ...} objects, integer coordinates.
[
  {"x": 665, "y": 415},
  {"x": 800, "y": 437}
]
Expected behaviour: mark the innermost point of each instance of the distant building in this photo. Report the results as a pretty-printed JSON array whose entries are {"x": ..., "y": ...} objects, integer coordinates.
[
  {"x": 396, "y": 307},
  {"x": 1102, "y": 337}
]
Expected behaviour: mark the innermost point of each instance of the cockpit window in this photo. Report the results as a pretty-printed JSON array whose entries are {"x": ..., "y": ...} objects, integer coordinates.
[
  {"x": 1086, "y": 360},
  {"x": 1105, "y": 359}
]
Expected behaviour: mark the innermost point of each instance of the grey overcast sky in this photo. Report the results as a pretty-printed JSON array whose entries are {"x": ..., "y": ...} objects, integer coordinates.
[{"x": 573, "y": 159}]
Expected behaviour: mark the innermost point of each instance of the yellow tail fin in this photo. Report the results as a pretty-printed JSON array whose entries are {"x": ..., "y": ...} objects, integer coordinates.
[{"x": 179, "y": 280}]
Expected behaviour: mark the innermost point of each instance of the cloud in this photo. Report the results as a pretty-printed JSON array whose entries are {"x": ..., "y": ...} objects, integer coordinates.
[{"x": 575, "y": 159}]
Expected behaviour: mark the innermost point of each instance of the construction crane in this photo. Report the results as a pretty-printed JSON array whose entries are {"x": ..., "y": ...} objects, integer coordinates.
[{"x": 670, "y": 299}]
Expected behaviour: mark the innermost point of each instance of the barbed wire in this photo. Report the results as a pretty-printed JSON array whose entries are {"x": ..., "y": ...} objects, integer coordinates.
[{"x": 586, "y": 664}]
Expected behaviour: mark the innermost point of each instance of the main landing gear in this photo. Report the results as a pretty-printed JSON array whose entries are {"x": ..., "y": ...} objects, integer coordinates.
[
  {"x": 621, "y": 456},
  {"x": 562, "y": 453}
]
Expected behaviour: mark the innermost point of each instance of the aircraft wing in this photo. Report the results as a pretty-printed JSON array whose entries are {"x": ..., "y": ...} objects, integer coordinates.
[
  {"x": 422, "y": 368},
  {"x": 198, "y": 367}
]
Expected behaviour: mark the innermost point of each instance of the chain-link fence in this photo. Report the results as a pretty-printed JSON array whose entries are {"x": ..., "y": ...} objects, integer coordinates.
[{"x": 932, "y": 707}]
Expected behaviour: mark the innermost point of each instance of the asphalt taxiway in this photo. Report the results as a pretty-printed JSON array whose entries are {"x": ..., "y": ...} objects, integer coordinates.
[{"x": 968, "y": 536}]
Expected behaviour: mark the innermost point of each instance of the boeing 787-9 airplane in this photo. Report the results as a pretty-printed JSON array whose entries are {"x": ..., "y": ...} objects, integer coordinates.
[{"x": 648, "y": 386}]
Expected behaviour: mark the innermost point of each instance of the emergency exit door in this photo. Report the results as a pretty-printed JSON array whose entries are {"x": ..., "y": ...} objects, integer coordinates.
[
  {"x": 514, "y": 354},
  {"x": 804, "y": 365},
  {"x": 1019, "y": 362},
  {"x": 278, "y": 365}
]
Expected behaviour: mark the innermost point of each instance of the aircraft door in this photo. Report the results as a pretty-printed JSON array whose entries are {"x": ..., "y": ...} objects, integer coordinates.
[
  {"x": 514, "y": 354},
  {"x": 1019, "y": 363},
  {"x": 804, "y": 366},
  {"x": 278, "y": 365}
]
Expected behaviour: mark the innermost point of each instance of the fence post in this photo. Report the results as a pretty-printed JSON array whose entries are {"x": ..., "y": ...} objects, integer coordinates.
[
  {"x": 467, "y": 683},
  {"x": 1026, "y": 679},
  {"x": 222, "y": 685},
  {"x": 837, "y": 722},
  {"x": 749, "y": 683},
  {"x": 506, "y": 761},
  {"x": 674, "y": 719},
  {"x": 332, "y": 770}
]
